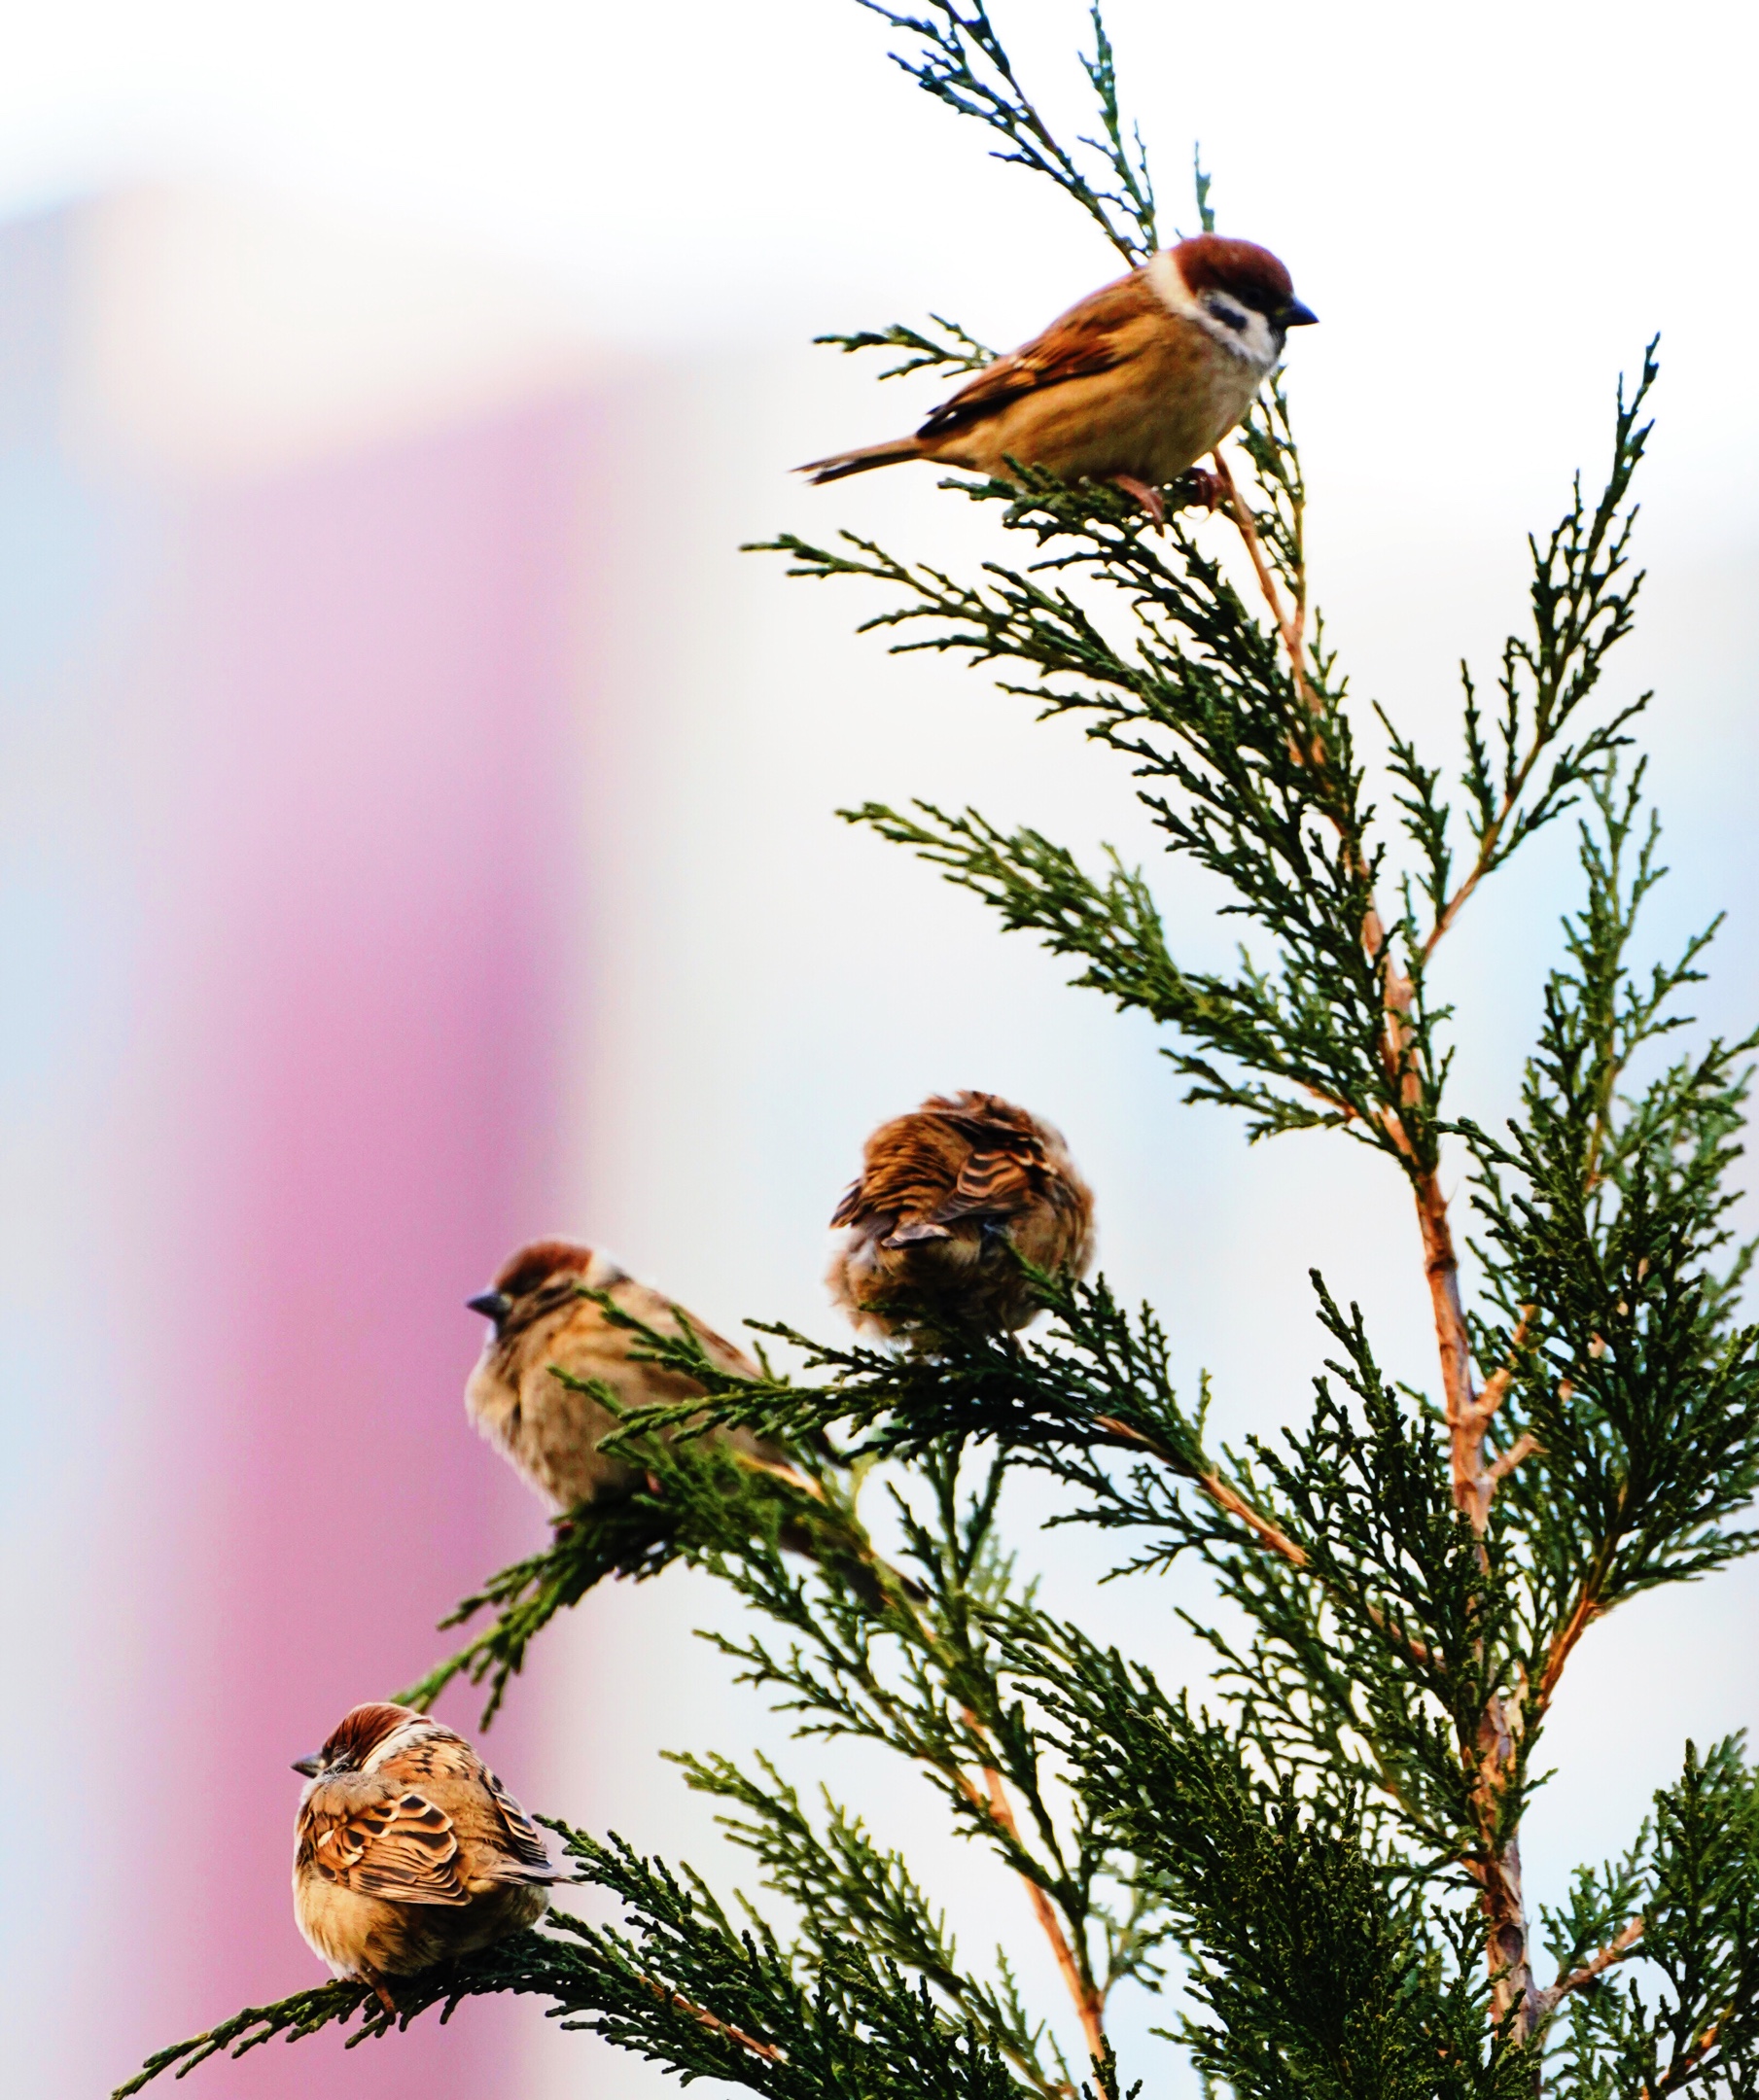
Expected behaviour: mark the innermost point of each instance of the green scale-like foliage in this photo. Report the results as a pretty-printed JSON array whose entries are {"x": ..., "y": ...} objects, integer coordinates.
[{"x": 1322, "y": 1852}]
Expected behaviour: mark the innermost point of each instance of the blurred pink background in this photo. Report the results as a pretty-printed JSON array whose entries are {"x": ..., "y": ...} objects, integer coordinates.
[{"x": 295, "y": 758}]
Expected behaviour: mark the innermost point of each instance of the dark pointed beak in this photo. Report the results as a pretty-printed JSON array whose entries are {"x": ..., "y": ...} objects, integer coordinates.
[
  {"x": 493, "y": 1305},
  {"x": 308, "y": 1767},
  {"x": 1296, "y": 315}
]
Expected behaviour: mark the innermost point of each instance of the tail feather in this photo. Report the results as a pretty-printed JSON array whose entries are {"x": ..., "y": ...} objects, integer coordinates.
[{"x": 840, "y": 464}]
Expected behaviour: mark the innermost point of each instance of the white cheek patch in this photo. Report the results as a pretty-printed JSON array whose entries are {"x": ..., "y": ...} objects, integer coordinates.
[
  {"x": 1257, "y": 341},
  {"x": 1169, "y": 287},
  {"x": 1255, "y": 344}
]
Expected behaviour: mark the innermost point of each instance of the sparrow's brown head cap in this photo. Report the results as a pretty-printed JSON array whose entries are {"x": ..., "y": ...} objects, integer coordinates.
[
  {"x": 540, "y": 1276},
  {"x": 1246, "y": 273},
  {"x": 358, "y": 1734},
  {"x": 533, "y": 1265}
]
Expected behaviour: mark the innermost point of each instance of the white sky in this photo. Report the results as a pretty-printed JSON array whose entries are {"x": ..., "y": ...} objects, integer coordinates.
[
  {"x": 1516, "y": 181},
  {"x": 1490, "y": 210}
]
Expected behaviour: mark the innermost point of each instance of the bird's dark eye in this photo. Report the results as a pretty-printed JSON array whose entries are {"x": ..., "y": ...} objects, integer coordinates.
[{"x": 1228, "y": 315}]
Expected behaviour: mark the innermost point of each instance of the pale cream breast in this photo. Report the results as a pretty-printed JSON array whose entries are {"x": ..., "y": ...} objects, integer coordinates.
[
  {"x": 490, "y": 1401},
  {"x": 548, "y": 1429},
  {"x": 354, "y": 1933},
  {"x": 551, "y": 1430},
  {"x": 562, "y": 1429}
]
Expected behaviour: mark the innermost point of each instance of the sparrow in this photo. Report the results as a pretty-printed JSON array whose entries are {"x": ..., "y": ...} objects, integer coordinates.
[
  {"x": 943, "y": 1193},
  {"x": 1132, "y": 386},
  {"x": 552, "y": 1433},
  {"x": 409, "y": 1850},
  {"x": 548, "y": 1431}
]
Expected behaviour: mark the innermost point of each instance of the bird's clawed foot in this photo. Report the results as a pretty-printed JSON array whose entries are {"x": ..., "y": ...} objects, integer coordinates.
[
  {"x": 1206, "y": 487},
  {"x": 1146, "y": 495},
  {"x": 381, "y": 1990}
]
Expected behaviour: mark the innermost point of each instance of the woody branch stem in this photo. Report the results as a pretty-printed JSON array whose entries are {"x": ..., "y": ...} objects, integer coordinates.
[
  {"x": 1082, "y": 1991},
  {"x": 1494, "y": 1757}
]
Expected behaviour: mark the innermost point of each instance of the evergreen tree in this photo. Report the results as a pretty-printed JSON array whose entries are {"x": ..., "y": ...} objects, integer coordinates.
[{"x": 1328, "y": 1844}]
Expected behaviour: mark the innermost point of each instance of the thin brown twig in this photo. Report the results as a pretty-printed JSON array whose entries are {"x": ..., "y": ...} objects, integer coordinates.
[
  {"x": 1487, "y": 849},
  {"x": 1262, "y": 1528},
  {"x": 1499, "y": 1469},
  {"x": 1088, "y": 2005},
  {"x": 1271, "y": 1535},
  {"x": 1475, "y": 1484},
  {"x": 1615, "y": 1949},
  {"x": 1582, "y": 1615},
  {"x": 994, "y": 1800},
  {"x": 1497, "y": 1386},
  {"x": 1497, "y": 1868},
  {"x": 1344, "y": 1110},
  {"x": 1223, "y": 1497},
  {"x": 1441, "y": 1262},
  {"x": 996, "y": 1803},
  {"x": 1398, "y": 991},
  {"x": 1288, "y": 628},
  {"x": 1699, "y": 2049},
  {"x": 767, "y": 2051}
]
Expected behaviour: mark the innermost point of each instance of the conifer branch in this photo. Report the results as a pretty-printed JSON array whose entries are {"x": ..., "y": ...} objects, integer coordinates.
[
  {"x": 956, "y": 351},
  {"x": 961, "y": 60},
  {"x": 681, "y": 1984},
  {"x": 700, "y": 1501}
]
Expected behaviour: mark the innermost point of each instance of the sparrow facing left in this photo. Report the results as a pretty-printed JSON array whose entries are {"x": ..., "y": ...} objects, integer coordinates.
[
  {"x": 942, "y": 1194},
  {"x": 551, "y": 1432},
  {"x": 409, "y": 1850},
  {"x": 548, "y": 1431},
  {"x": 1133, "y": 385}
]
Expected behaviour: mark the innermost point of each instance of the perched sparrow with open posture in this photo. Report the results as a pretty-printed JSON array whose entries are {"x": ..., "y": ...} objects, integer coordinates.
[
  {"x": 409, "y": 1850},
  {"x": 1134, "y": 385},
  {"x": 551, "y": 1432},
  {"x": 940, "y": 1190}
]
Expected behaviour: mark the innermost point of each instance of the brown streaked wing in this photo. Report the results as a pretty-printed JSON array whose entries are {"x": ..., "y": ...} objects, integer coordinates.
[
  {"x": 659, "y": 1312},
  {"x": 907, "y": 1175},
  {"x": 996, "y": 1184},
  {"x": 524, "y": 1840},
  {"x": 400, "y": 1847},
  {"x": 1092, "y": 338},
  {"x": 985, "y": 1121}
]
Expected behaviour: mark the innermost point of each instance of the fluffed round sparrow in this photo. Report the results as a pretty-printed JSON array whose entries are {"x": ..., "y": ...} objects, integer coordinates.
[
  {"x": 549, "y": 1431},
  {"x": 1134, "y": 385},
  {"x": 943, "y": 1193},
  {"x": 409, "y": 1850}
]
